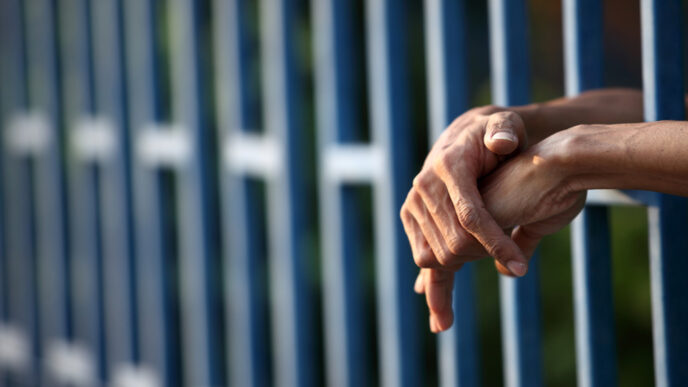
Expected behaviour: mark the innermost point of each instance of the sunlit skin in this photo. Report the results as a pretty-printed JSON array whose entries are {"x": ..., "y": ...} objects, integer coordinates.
[{"x": 481, "y": 195}]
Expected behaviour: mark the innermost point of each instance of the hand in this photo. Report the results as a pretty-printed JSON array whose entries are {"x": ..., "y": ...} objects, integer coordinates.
[
  {"x": 532, "y": 193},
  {"x": 444, "y": 213}
]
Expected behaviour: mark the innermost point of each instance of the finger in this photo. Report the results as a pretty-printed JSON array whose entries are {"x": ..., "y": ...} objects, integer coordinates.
[
  {"x": 438, "y": 295},
  {"x": 477, "y": 221},
  {"x": 504, "y": 133},
  {"x": 419, "y": 285},
  {"x": 430, "y": 231},
  {"x": 434, "y": 195},
  {"x": 503, "y": 270},
  {"x": 422, "y": 253}
]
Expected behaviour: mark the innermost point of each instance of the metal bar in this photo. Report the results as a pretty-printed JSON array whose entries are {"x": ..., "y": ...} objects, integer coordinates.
[
  {"x": 247, "y": 326},
  {"x": 593, "y": 301},
  {"x": 84, "y": 269},
  {"x": 20, "y": 323},
  {"x": 194, "y": 183},
  {"x": 292, "y": 322},
  {"x": 396, "y": 302},
  {"x": 593, "y": 304},
  {"x": 156, "y": 338},
  {"x": 346, "y": 360},
  {"x": 49, "y": 194},
  {"x": 519, "y": 297},
  {"x": 115, "y": 201},
  {"x": 448, "y": 97},
  {"x": 664, "y": 100}
]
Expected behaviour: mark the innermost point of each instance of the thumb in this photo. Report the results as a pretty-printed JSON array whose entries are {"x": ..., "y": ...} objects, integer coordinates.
[{"x": 505, "y": 133}]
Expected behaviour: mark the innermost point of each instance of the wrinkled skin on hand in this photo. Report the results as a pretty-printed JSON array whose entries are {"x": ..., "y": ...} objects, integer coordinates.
[
  {"x": 444, "y": 215},
  {"x": 529, "y": 194}
]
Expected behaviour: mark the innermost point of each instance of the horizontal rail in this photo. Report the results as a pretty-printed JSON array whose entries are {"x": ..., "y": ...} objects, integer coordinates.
[
  {"x": 253, "y": 155},
  {"x": 353, "y": 163},
  {"x": 94, "y": 139},
  {"x": 163, "y": 146}
]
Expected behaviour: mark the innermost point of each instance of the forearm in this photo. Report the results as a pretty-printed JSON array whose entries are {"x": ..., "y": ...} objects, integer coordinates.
[
  {"x": 649, "y": 156},
  {"x": 602, "y": 106}
]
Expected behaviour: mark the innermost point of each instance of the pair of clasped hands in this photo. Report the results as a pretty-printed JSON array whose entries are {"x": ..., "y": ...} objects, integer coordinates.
[{"x": 499, "y": 179}]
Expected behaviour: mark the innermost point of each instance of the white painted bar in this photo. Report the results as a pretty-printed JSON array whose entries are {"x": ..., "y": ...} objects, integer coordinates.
[
  {"x": 354, "y": 163},
  {"x": 253, "y": 154},
  {"x": 93, "y": 139},
  {"x": 163, "y": 145},
  {"x": 28, "y": 134}
]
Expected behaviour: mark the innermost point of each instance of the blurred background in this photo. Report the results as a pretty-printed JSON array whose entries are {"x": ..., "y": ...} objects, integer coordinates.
[{"x": 628, "y": 224}]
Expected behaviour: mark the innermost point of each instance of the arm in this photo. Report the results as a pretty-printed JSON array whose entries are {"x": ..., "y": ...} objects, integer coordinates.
[{"x": 601, "y": 106}]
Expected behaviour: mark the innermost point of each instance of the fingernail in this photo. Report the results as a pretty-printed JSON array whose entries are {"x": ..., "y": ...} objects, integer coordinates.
[
  {"x": 518, "y": 268},
  {"x": 504, "y": 136}
]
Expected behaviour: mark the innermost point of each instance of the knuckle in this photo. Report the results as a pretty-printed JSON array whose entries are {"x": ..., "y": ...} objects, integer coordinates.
[
  {"x": 443, "y": 164},
  {"x": 445, "y": 258},
  {"x": 456, "y": 244},
  {"x": 421, "y": 181},
  {"x": 469, "y": 217},
  {"x": 425, "y": 259}
]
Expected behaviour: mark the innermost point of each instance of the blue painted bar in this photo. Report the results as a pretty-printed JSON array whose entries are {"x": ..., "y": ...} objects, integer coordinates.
[
  {"x": 397, "y": 328},
  {"x": 519, "y": 297},
  {"x": 17, "y": 204},
  {"x": 662, "y": 29},
  {"x": 247, "y": 325},
  {"x": 348, "y": 364},
  {"x": 197, "y": 255},
  {"x": 288, "y": 206},
  {"x": 593, "y": 300},
  {"x": 583, "y": 37},
  {"x": 156, "y": 339},
  {"x": 49, "y": 175},
  {"x": 85, "y": 258},
  {"x": 445, "y": 42},
  {"x": 115, "y": 202}
]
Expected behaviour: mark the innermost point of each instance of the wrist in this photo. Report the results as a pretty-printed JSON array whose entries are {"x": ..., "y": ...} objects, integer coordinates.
[{"x": 585, "y": 157}]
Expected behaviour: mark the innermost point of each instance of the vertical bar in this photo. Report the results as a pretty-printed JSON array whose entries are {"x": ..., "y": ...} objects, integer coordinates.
[
  {"x": 663, "y": 100},
  {"x": 49, "y": 173},
  {"x": 155, "y": 333},
  {"x": 77, "y": 106},
  {"x": 115, "y": 186},
  {"x": 593, "y": 301},
  {"x": 391, "y": 131},
  {"x": 17, "y": 205},
  {"x": 196, "y": 228},
  {"x": 519, "y": 297},
  {"x": 287, "y": 202},
  {"x": 347, "y": 363},
  {"x": 246, "y": 323},
  {"x": 448, "y": 94}
]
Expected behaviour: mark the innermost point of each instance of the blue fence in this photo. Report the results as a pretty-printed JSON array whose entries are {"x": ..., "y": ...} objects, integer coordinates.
[{"x": 151, "y": 184}]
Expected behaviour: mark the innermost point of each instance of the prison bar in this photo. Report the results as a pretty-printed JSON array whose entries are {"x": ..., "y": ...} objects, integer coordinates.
[
  {"x": 662, "y": 29},
  {"x": 20, "y": 320},
  {"x": 447, "y": 67},
  {"x": 69, "y": 322},
  {"x": 282, "y": 138},
  {"x": 594, "y": 319},
  {"x": 347, "y": 363},
  {"x": 519, "y": 297}
]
